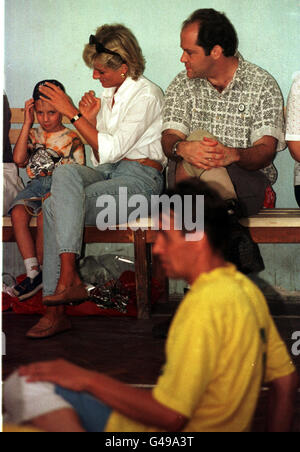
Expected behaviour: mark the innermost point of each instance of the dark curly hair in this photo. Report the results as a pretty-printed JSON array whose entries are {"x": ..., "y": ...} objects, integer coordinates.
[
  {"x": 216, "y": 216},
  {"x": 214, "y": 29},
  {"x": 36, "y": 93}
]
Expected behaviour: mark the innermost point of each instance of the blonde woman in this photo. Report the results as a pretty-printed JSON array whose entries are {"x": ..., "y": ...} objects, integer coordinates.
[{"x": 123, "y": 129}]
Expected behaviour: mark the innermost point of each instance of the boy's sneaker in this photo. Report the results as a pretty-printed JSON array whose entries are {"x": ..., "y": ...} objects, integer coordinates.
[{"x": 29, "y": 287}]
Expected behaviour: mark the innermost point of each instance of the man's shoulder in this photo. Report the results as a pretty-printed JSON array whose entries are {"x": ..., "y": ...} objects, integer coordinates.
[
  {"x": 181, "y": 82},
  {"x": 253, "y": 73},
  {"x": 214, "y": 282},
  {"x": 225, "y": 285}
]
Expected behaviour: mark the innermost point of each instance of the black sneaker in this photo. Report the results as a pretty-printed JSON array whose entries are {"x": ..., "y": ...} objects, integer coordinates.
[{"x": 29, "y": 287}]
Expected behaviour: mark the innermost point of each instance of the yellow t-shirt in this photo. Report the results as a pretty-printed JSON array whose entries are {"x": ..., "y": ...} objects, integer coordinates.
[
  {"x": 222, "y": 344},
  {"x": 10, "y": 428}
]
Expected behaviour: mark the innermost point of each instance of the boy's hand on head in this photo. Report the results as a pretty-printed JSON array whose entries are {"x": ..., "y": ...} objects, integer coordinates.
[
  {"x": 89, "y": 107},
  {"x": 29, "y": 112}
]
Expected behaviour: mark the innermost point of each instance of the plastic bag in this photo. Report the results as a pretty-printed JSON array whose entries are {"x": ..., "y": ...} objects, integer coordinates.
[
  {"x": 98, "y": 270},
  {"x": 112, "y": 286},
  {"x": 8, "y": 283},
  {"x": 119, "y": 298},
  {"x": 107, "y": 289}
]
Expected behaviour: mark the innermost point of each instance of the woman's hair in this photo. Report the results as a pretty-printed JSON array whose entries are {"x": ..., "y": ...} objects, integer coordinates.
[
  {"x": 36, "y": 93},
  {"x": 120, "y": 40},
  {"x": 214, "y": 29}
]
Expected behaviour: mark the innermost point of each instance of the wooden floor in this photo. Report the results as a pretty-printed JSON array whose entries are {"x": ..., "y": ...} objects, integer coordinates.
[{"x": 121, "y": 347}]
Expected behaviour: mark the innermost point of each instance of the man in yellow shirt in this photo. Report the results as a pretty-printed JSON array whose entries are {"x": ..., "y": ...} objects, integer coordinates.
[{"x": 221, "y": 346}]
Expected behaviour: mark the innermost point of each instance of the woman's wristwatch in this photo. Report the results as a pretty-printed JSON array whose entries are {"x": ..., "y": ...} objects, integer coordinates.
[{"x": 76, "y": 117}]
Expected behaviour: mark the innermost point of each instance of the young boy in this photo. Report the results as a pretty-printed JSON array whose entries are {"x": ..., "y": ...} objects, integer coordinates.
[{"x": 40, "y": 150}]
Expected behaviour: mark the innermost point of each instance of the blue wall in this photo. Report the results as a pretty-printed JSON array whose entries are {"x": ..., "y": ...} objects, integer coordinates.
[{"x": 45, "y": 39}]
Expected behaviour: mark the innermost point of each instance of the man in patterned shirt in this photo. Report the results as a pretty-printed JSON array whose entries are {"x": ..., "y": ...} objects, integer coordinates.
[{"x": 238, "y": 103}]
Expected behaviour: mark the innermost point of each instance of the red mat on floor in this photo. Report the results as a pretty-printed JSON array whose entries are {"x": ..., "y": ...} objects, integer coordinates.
[{"x": 34, "y": 304}]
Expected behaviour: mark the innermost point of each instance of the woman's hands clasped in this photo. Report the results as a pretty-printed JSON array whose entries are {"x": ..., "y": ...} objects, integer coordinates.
[{"x": 89, "y": 107}]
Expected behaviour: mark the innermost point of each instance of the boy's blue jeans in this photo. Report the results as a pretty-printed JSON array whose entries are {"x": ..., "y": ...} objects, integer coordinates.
[
  {"x": 72, "y": 205},
  {"x": 36, "y": 188}
]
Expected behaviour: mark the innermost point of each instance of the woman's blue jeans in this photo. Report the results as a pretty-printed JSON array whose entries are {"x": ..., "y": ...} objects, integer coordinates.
[{"x": 73, "y": 204}]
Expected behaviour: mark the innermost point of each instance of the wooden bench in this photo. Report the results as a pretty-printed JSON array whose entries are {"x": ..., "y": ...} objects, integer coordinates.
[{"x": 274, "y": 226}]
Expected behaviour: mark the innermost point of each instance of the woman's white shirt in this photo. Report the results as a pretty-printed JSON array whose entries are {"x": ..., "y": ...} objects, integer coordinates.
[
  {"x": 293, "y": 119},
  {"x": 132, "y": 127}
]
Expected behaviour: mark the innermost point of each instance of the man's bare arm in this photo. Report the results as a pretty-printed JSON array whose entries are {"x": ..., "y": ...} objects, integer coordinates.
[
  {"x": 169, "y": 138},
  {"x": 294, "y": 147},
  {"x": 135, "y": 403},
  {"x": 282, "y": 403},
  {"x": 260, "y": 155}
]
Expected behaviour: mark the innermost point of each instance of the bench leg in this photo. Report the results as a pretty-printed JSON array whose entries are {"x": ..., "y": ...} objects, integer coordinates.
[
  {"x": 159, "y": 275},
  {"x": 142, "y": 254}
]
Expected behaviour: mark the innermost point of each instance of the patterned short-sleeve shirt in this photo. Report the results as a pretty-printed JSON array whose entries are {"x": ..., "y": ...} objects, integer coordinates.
[
  {"x": 50, "y": 149},
  {"x": 293, "y": 119},
  {"x": 250, "y": 107}
]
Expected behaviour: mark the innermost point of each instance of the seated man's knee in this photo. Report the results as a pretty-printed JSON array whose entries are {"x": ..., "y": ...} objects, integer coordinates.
[
  {"x": 14, "y": 404},
  {"x": 181, "y": 175},
  {"x": 26, "y": 401}
]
